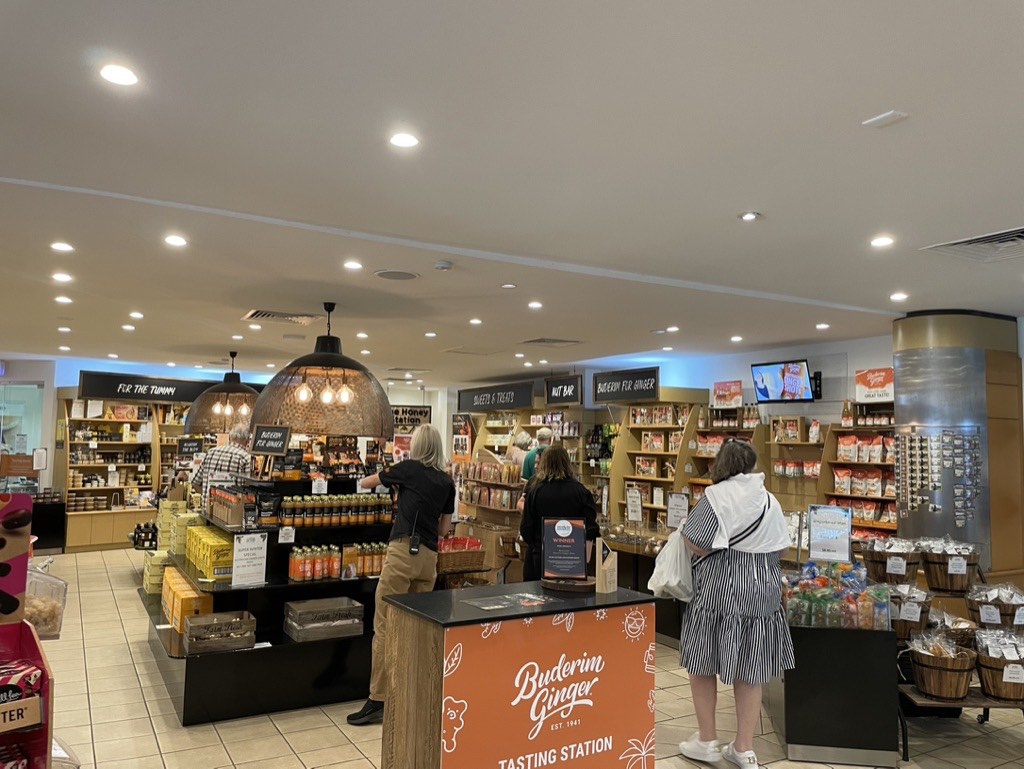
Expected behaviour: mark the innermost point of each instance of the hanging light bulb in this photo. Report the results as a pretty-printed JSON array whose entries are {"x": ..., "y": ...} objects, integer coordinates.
[
  {"x": 244, "y": 409},
  {"x": 213, "y": 410},
  {"x": 327, "y": 394},
  {"x": 303, "y": 393},
  {"x": 218, "y": 408},
  {"x": 345, "y": 395},
  {"x": 228, "y": 411}
]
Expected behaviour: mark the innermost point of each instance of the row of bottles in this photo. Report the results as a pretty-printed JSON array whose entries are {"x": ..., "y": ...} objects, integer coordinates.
[
  {"x": 336, "y": 510},
  {"x": 860, "y": 415},
  {"x": 320, "y": 562},
  {"x": 744, "y": 418}
]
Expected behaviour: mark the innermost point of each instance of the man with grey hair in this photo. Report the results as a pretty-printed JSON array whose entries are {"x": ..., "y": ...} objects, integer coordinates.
[
  {"x": 225, "y": 463},
  {"x": 544, "y": 436}
]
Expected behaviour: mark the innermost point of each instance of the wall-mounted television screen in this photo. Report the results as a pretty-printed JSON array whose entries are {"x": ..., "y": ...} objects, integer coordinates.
[{"x": 782, "y": 382}]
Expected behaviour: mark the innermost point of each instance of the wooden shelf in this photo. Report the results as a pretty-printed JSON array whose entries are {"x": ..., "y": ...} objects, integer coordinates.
[
  {"x": 147, "y": 487},
  {"x": 108, "y": 464},
  {"x": 514, "y": 486},
  {"x": 115, "y": 443},
  {"x": 863, "y": 464},
  {"x": 883, "y": 525},
  {"x": 859, "y": 496},
  {"x": 647, "y": 505},
  {"x": 603, "y": 477},
  {"x": 654, "y": 427},
  {"x": 653, "y": 478},
  {"x": 813, "y": 478},
  {"x": 104, "y": 419},
  {"x": 701, "y": 482},
  {"x": 722, "y": 430},
  {"x": 865, "y": 429},
  {"x": 498, "y": 426},
  {"x": 509, "y": 511},
  {"x": 654, "y": 453},
  {"x": 818, "y": 445}
]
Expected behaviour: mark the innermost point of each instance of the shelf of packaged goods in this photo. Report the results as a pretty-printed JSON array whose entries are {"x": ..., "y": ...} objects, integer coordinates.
[
  {"x": 883, "y": 525},
  {"x": 816, "y": 445},
  {"x": 275, "y": 582},
  {"x": 647, "y": 505},
  {"x": 701, "y": 482},
  {"x": 714, "y": 430},
  {"x": 513, "y": 486},
  {"x": 497, "y": 426},
  {"x": 117, "y": 443},
  {"x": 859, "y": 496},
  {"x": 147, "y": 510},
  {"x": 655, "y": 427},
  {"x": 603, "y": 477},
  {"x": 104, "y": 419},
  {"x": 378, "y": 530},
  {"x": 812, "y": 478},
  {"x": 861, "y": 464},
  {"x": 506, "y": 510},
  {"x": 654, "y": 453},
  {"x": 146, "y": 487},
  {"x": 652, "y": 478},
  {"x": 864, "y": 429},
  {"x": 108, "y": 464}
]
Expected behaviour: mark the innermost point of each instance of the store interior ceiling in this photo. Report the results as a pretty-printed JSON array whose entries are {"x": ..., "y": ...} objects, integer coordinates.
[{"x": 597, "y": 155}]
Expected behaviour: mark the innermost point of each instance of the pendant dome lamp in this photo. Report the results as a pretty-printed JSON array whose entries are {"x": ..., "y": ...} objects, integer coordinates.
[
  {"x": 222, "y": 406},
  {"x": 326, "y": 393}
]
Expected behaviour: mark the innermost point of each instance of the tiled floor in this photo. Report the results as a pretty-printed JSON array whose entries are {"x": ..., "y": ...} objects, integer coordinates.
[{"x": 112, "y": 706}]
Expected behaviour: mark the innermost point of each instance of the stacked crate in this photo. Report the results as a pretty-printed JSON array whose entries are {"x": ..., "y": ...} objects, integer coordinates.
[
  {"x": 164, "y": 520},
  {"x": 180, "y": 600},
  {"x": 180, "y": 525},
  {"x": 153, "y": 566}
]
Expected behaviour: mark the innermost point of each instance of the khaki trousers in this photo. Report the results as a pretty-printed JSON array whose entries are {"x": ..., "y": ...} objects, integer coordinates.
[{"x": 402, "y": 573}]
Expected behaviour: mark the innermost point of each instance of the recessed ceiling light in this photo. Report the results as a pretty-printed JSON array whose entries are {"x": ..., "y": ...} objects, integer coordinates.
[
  {"x": 112, "y": 355},
  {"x": 362, "y": 335},
  {"x": 419, "y": 381},
  {"x": 520, "y": 355},
  {"x": 64, "y": 329},
  {"x": 535, "y": 305},
  {"x": 823, "y": 327},
  {"x": 255, "y": 327},
  {"x": 172, "y": 364},
  {"x": 390, "y": 383},
  {"x": 364, "y": 352},
  {"x": 430, "y": 334},
  {"x": 882, "y": 241},
  {"x": 899, "y": 296},
  {"x": 62, "y": 277},
  {"x": 736, "y": 339},
  {"x": 127, "y": 327},
  {"x": 136, "y": 315},
  {"x": 666, "y": 349},
  {"x": 237, "y": 337},
  {"x": 199, "y": 365},
  {"x": 404, "y": 140},
  {"x": 750, "y": 216},
  {"x": 60, "y": 245},
  {"x": 118, "y": 75},
  {"x": 508, "y": 285},
  {"x": 542, "y": 362},
  {"x": 885, "y": 119},
  {"x": 528, "y": 364},
  {"x": 408, "y": 375},
  {"x": 62, "y": 299},
  {"x": 270, "y": 365},
  {"x": 64, "y": 348},
  {"x": 352, "y": 264},
  {"x": 175, "y": 240},
  {"x": 672, "y": 329},
  {"x": 475, "y": 321}
]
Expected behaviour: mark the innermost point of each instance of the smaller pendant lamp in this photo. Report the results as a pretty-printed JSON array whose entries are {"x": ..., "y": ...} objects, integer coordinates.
[
  {"x": 326, "y": 393},
  {"x": 222, "y": 406}
]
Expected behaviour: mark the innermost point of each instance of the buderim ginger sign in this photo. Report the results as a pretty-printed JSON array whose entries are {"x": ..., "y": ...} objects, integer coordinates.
[{"x": 572, "y": 690}]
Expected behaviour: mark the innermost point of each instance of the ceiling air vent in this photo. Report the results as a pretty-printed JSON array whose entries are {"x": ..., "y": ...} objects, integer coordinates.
[
  {"x": 994, "y": 247},
  {"x": 548, "y": 342},
  {"x": 400, "y": 371},
  {"x": 481, "y": 351},
  {"x": 299, "y": 319}
]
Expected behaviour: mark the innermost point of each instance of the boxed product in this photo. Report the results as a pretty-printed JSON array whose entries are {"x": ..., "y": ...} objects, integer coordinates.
[
  {"x": 211, "y": 551},
  {"x": 322, "y": 618},
  {"x": 189, "y": 602},
  {"x": 19, "y": 680},
  {"x": 224, "y": 631}
]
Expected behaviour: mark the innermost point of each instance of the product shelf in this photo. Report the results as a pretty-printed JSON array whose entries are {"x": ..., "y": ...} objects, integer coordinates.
[
  {"x": 859, "y": 496},
  {"x": 112, "y": 421},
  {"x": 108, "y": 464},
  {"x": 108, "y": 443},
  {"x": 862, "y": 464},
  {"x": 865, "y": 429},
  {"x": 652, "y": 478},
  {"x": 723, "y": 430},
  {"x": 654, "y": 427},
  {"x": 701, "y": 482},
  {"x": 883, "y": 525},
  {"x": 513, "y": 486},
  {"x": 204, "y": 584},
  {"x": 509, "y": 511},
  {"x": 654, "y": 453},
  {"x": 647, "y": 505},
  {"x": 815, "y": 444}
]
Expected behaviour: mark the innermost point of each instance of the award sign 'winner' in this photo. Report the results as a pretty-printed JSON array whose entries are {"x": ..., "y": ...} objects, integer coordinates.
[{"x": 570, "y": 690}]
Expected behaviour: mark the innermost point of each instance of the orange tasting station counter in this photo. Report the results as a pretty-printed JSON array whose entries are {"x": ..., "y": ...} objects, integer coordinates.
[{"x": 518, "y": 677}]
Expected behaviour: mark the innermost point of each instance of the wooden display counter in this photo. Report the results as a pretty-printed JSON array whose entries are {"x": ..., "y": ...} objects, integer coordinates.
[{"x": 506, "y": 675}]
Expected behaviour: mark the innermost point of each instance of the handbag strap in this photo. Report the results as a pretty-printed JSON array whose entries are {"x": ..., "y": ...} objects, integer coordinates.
[{"x": 749, "y": 531}]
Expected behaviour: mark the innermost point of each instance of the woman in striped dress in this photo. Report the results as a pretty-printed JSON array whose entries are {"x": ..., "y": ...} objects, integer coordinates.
[{"x": 734, "y": 629}]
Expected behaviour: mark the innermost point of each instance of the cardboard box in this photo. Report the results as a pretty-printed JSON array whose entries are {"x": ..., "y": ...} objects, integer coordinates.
[{"x": 20, "y": 713}]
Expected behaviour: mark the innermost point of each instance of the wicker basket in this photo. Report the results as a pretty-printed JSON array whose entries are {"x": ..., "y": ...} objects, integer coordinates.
[
  {"x": 990, "y": 673},
  {"x": 905, "y": 629},
  {"x": 876, "y": 562},
  {"x": 1007, "y": 611},
  {"x": 460, "y": 560},
  {"x": 936, "y": 571},
  {"x": 944, "y": 678}
]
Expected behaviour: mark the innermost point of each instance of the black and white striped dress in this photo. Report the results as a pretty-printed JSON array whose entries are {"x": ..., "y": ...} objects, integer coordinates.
[{"x": 735, "y": 627}]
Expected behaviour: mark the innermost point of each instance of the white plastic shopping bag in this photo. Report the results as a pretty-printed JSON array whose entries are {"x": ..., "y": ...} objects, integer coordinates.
[{"x": 673, "y": 574}]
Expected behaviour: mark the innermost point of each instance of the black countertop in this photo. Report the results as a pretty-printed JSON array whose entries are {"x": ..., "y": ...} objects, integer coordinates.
[{"x": 449, "y": 608}]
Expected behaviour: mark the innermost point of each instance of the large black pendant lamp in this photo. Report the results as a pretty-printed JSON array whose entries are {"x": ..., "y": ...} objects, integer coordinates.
[
  {"x": 326, "y": 393},
  {"x": 222, "y": 406}
]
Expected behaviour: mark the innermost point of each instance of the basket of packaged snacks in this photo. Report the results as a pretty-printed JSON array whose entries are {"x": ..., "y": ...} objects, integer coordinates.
[
  {"x": 510, "y": 547},
  {"x": 960, "y": 630},
  {"x": 949, "y": 566},
  {"x": 911, "y": 609},
  {"x": 996, "y": 605},
  {"x": 455, "y": 554},
  {"x": 893, "y": 561},
  {"x": 1000, "y": 665},
  {"x": 45, "y": 599},
  {"x": 942, "y": 670},
  {"x": 836, "y": 597}
]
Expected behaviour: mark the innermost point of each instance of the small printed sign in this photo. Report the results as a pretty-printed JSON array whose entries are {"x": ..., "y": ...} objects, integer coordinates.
[
  {"x": 565, "y": 548},
  {"x": 910, "y": 612},
  {"x": 875, "y": 385},
  {"x": 563, "y": 390},
  {"x": 830, "y": 530},
  {"x": 957, "y": 565},
  {"x": 319, "y": 485},
  {"x": 189, "y": 447},
  {"x": 634, "y": 505},
  {"x": 1013, "y": 674},
  {"x": 249, "y": 565},
  {"x": 896, "y": 565},
  {"x": 1018, "y": 616},
  {"x": 286, "y": 535},
  {"x": 990, "y": 614},
  {"x": 678, "y": 509}
]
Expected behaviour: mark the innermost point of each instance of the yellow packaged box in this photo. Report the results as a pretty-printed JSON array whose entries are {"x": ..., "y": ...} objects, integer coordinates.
[
  {"x": 211, "y": 551},
  {"x": 190, "y": 603}
]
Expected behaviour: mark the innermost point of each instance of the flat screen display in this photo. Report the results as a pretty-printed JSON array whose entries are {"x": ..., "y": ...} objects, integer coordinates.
[{"x": 782, "y": 382}]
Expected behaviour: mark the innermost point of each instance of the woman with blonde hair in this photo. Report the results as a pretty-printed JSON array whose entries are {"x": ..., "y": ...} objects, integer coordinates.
[
  {"x": 520, "y": 448},
  {"x": 426, "y": 501},
  {"x": 554, "y": 492}
]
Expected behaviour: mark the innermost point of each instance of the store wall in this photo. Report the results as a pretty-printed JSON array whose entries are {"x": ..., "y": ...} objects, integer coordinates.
[{"x": 38, "y": 372}]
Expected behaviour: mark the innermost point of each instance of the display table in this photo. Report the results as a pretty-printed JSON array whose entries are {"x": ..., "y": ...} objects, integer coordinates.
[
  {"x": 515, "y": 675},
  {"x": 840, "y": 704}
]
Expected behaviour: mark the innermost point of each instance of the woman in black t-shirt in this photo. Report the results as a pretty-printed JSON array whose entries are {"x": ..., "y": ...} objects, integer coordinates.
[
  {"x": 554, "y": 492},
  {"x": 426, "y": 501}
]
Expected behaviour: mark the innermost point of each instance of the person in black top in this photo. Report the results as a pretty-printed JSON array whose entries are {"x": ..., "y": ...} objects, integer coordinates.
[
  {"x": 426, "y": 501},
  {"x": 554, "y": 492}
]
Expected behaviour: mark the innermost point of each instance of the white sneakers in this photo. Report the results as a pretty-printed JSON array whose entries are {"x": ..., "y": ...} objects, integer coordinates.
[
  {"x": 746, "y": 759},
  {"x": 710, "y": 752},
  {"x": 699, "y": 750}
]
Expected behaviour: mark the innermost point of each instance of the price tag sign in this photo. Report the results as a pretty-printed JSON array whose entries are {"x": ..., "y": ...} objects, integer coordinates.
[
  {"x": 1010, "y": 653},
  {"x": 249, "y": 565},
  {"x": 141, "y": 468},
  {"x": 910, "y": 612},
  {"x": 693, "y": 445},
  {"x": 829, "y": 533},
  {"x": 94, "y": 444},
  {"x": 896, "y": 565},
  {"x": 319, "y": 485},
  {"x": 1013, "y": 674},
  {"x": 634, "y": 507},
  {"x": 286, "y": 535},
  {"x": 678, "y": 509},
  {"x": 111, "y": 468},
  {"x": 957, "y": 565},
  {"x": 1018, "y": 616},
  {"x": 990, "y": 614}
]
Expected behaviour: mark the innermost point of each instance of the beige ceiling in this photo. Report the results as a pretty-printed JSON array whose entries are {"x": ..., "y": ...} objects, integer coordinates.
[{"x": 595, "y": 153}]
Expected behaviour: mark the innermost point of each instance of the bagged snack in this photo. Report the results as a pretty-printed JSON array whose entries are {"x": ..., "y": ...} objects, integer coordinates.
[
  {"x": 889, "y": 513},
  {"x": 876, "y": 449},
  {"x": 702, "y": 446},
  {"x": 794, "y": 469},
  {"x": 859, "y": 482},
  {"x": 946, "y": 545},
  {"x": 843, "y": 477},
  {"x": 810, "y": 468},
  {"x": 870, "y": 510},
  {"x": 1001, "y": 644},
  {"x": 864, "y": 449},
  {"x": 857, "y": 506},
  {"x": 889, "y": 485},
  {"x": 846, "y": 448},
  {"x": 889, "y": 444},
  {"x": 874, "y": 482},
  {"x": 814, "y": 432},
  {"x": 894, "y": 545},
  {"x": 934, "y": 645},
  {"x": 1003, "y": 593}
]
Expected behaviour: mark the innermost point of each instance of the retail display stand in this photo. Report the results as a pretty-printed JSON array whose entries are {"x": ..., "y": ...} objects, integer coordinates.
[
  {"x": 26, "y": 721},
  {"x": 792, "y": 454},
  {"x": 570, "y": 679}
]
